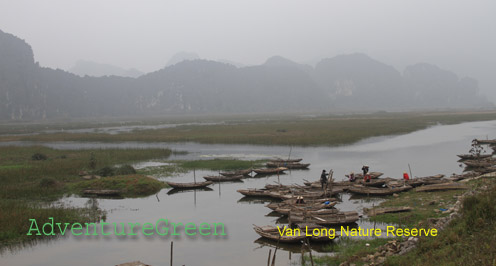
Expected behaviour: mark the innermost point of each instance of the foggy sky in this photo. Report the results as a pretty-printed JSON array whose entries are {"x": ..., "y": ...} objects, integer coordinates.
[{"x": 456, "y": 35}]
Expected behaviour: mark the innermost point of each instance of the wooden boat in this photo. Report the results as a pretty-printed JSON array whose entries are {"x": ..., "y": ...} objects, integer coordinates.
[
  {"x": 479, "y": 163},
  {"x": 288, "y": 165},
  {"x": 372, "y": 191},
  {"x": 223, "y": 178},
  {"x": 238, "y": 172},
  {"x": 272, "y": 233},
  {"x": 339, "y": 218},
  {"x": 485, "y": 170},
  {"x": 378, "y": 211},
  {"x": 306, "y": 194},
  {"x": 292, "y": 201},
  {"x": 189, "y": 185},
  {"x": 290, "y": 247},
  {"x": 432, "y": 176},
  {"x": 187, "y": 190},
  {"x": 438, "y": 187},
  {"x": 317, "y": 209},
  {"x": 379, "y": 182},
  {"x": 102, "y": 192},
  {"x": 486, "y": 141},
  {"x": 309, "y": 227},
  {"x": 473, "y": 157},
  {"x": 317, "y": 184},
  {"x": 255, "y": 192},
  {"x": 418, "y": 181},
  {"x": 270, "y": 171},
  {"x": 280, "y": 186},
  {"x": 285, "y": 161},
  {"x": 373, "y": 175},
  {"x": 455, "y": 177},
  {"x": 372, "y": 182}
]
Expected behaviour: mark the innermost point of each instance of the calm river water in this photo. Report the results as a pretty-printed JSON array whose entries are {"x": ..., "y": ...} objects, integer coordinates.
[{"x": 428, "y": 152}]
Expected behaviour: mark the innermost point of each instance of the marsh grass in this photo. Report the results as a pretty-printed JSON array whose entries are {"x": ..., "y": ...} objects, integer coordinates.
[
  {"x": 129, "y": 185},
  {"x": 348, "y": 249},
  {"x": 15, "y": 215},
  {"x": 323, "y": 130},
  {"x": 26, "y": 184}
]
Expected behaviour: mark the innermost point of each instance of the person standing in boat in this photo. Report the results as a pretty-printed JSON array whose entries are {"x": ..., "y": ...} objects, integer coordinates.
[
  {"x": 323, "y": 178},
  {"x": 365, "y": 169}
]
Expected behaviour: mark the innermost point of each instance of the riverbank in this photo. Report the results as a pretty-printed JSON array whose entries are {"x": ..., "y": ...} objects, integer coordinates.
[
  {"x": 302, "y": 131},
  {"x": 31, "y": 178},
  {"x": 466, "y": 220}
]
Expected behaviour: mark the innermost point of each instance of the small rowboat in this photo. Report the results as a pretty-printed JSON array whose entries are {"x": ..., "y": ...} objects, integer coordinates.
[
  {"x": 372, "y": 191},
  {"x": 288, "y": 165},
  {"x": 223, "y": 178},
  {"x": 486, "y": 141},
  {"x": 439, "y": 187},
  {"x": 480, "y": 163},
  {"x": 270, "y": 171},
  {"x": 473, "y": 157},
  {"x": 102, "y": 192},
  {"x": 255, "y": 192},
  {"x": 373, "y": 175},
  {"x": 323, "y": 232},
  {"x": 317, "y": 209},
  {"x": 237, "y": 172},
  {"x": 189, "y": 185},
  {"x": 339, "y": 218},
  {"x": 273, "y": 233},
  {"x": 286, "y": 161}
]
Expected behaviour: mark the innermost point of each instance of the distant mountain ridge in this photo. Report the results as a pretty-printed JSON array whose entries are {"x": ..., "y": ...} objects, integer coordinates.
[
  {"x": 195, "y": 86},
  {"x": 87, "y": 68}
]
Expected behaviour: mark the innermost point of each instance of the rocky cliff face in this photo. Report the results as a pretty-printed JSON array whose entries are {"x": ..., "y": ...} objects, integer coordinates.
[
  {"x": 20, "y": 94},
  {"x": 346, "y": 82}
]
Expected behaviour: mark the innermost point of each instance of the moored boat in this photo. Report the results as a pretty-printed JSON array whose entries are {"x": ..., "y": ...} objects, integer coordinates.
[
  {"x": 223, "y": 178},
  {"x": 278, "y": 234},
  {"x": 288, "y": 165},
  {"x": 237, "y": 172},
  {"x": 373, "y": 175},
  {"x": 270, "y": 171},
  {"x": 189, "y": 185},
  {"x": 286, "y": 161},
  {"x": 473, "y": 157},
  {"x": 362, "y": 190},
  {"x": 339, "y": 218},
  {"x": 480, "y": 163},
  {"x": 439, "y": 187},
  {"x": 255, "y": 192},
  {"x": 102, "y": 192},
  {"x": 486, "y": 141}
]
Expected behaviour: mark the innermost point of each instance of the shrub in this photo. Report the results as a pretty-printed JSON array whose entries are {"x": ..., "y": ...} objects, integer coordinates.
[
  {"x": 125, "y": 170},
  {"x": 39, "y": 157},
  {"x": 105, "y": 171},
  {"x": 47, "y": 182}
]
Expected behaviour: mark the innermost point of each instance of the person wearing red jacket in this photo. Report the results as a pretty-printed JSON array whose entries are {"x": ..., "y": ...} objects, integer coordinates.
[{"x": 406, "y": 177}]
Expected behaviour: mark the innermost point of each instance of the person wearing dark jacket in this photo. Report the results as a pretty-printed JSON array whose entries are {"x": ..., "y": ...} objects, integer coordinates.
[
  {"x": 323, "y": 178},
  {"x": 365, "y": 169}
]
